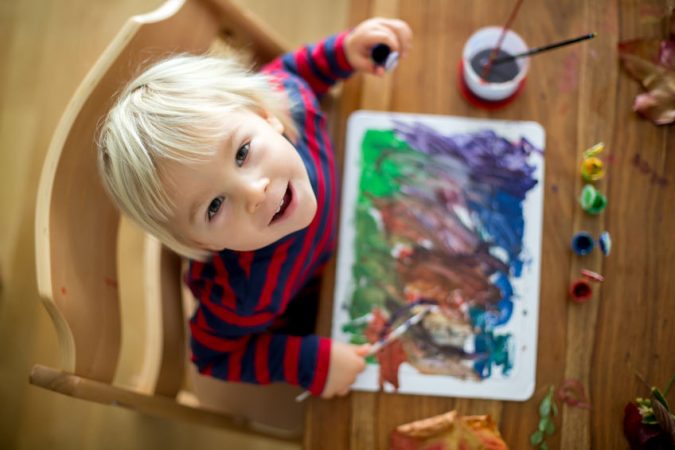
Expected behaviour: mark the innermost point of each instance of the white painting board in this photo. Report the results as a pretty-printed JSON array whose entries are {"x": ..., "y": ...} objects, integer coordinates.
[{"x": 519, "y": 381}]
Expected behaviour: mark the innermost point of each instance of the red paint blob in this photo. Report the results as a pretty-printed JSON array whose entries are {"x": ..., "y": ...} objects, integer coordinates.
[{"x": 581, "y": 291}]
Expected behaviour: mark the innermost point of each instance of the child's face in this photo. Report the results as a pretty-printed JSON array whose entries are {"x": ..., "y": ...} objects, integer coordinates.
[{"x": 252, "y": 192}]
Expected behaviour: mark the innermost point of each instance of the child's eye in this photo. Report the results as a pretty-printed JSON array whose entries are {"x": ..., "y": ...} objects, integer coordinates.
[
  {"x": 242, "y": 154},
  {"x": 214, "y": 207}
]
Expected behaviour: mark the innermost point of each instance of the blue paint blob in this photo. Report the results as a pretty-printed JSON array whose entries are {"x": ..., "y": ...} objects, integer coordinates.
[{"x": 582, "y": 243}]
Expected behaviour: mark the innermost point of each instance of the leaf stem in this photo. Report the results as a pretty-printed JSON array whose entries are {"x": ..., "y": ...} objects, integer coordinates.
[{"x": 670, "y": 385}]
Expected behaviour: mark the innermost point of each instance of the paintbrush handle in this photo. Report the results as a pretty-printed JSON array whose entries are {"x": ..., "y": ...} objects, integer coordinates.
[
  {"x": 545, "y": 48},
  {"x": 398, "y": 331}
]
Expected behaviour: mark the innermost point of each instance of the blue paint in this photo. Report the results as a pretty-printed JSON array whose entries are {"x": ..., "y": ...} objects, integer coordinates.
[
  {"x": 455, "y": 204},
  {"x": 497, "y": 178}
]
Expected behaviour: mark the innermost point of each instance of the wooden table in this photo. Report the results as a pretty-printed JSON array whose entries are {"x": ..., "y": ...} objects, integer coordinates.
[{"x": 581, "y": 96}]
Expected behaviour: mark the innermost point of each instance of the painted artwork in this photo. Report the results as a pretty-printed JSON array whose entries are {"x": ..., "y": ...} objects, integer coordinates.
[{"x": 442, "y": 215}]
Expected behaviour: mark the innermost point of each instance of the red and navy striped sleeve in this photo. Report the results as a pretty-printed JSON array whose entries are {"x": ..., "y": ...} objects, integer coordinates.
[
  {"x": 321, "y": 65},
  {"x": 229, "y": 330}
]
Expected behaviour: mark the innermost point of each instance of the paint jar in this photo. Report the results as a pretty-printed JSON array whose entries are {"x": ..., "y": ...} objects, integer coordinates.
[
  {"x": 581, "y": 291},
  {"x": 591, "y": 200},
  {"x": 503, "y": 80},
  {"x": 592, "y": 169},
  {"x": 582, "y": 243}
]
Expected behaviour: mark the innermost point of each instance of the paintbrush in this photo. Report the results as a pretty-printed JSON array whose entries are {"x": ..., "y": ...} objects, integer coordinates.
[
  {"x": 495, "y": 51},
  {"x": 399, "y": 330},
  {"x": 534, "y": 51},
  {"x": 388, "y": 339}
]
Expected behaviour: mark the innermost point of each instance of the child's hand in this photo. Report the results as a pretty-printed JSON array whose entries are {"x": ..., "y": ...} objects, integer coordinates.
[
  {"x": 358, "y": 45},
  {"x": 346, "y": 362}
]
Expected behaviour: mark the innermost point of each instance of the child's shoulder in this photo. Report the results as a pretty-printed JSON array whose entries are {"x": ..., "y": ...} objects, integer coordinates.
[{"x": 296, "y": 87}]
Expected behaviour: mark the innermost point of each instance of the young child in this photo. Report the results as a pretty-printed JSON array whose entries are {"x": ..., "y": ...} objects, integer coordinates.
[{"x": 235, "y": 171}]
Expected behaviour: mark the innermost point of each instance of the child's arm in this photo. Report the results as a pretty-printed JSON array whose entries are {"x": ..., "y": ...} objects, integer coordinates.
[
  {"x": 321, "y": 65},
  {"x": 235, "y": 353},
  {"x": 320, "y": 365},
  {"x": 336, "y": 57}
]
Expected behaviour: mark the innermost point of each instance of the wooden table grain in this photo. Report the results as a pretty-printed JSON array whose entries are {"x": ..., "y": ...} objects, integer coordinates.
[{"x": 581, "y": 96}]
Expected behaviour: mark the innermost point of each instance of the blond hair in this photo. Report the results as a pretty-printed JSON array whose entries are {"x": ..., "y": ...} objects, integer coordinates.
[{"x": 175, "y": 111}]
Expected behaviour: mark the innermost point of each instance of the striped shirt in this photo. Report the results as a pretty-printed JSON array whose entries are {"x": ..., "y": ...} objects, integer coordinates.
[{"x": 240, "y": 294}]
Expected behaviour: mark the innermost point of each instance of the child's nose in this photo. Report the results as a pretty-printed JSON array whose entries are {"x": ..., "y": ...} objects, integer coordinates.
[{"x": 256, "y": 191}]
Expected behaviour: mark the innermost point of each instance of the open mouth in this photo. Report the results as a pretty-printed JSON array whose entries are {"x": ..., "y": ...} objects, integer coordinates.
[{"x": 285, "y": 201}]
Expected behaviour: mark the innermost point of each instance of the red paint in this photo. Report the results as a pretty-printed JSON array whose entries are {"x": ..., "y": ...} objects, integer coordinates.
[
  {"x": 569, "y": 79},
  {"x": 572, "y": 393},
  {"x": 63, "y": 290},
  {"x": 581, "y": 291},
  {"x": 110, "y": 282}
]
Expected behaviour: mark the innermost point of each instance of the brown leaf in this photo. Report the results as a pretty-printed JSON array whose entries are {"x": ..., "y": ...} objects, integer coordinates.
[
  {"x": 644, "y": 71},
  {"x": 666, "y": 421},
  {"x": 652, "y": 63},
  {"x": 390, "y": 358},
  {"x": 657, "y": 106},
  {"x": 646, "y": 49}
]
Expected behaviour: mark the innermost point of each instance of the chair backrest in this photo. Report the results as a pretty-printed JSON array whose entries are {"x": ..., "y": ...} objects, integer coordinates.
[{"x": 78, "y": 228}]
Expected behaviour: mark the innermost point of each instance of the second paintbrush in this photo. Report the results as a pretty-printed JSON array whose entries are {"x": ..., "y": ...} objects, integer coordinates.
[{"x": 534, "y": 51}]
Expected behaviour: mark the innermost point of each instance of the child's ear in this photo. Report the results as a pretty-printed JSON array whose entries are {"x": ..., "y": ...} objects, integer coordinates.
[{"x": 273, "y": 121}]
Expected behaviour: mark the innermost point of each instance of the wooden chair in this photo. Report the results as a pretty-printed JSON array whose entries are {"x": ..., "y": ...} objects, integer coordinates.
[{"x": 121, "y": 323}]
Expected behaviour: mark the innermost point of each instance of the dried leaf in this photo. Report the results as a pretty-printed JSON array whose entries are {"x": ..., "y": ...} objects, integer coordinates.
[
  {"x": 652, "y": 63},
  {"x": 644, "y": 49},
  {"x": 657, "y": 105},
  {"x": 448, "y": 431},
  {"x": 665, "y": 419}
]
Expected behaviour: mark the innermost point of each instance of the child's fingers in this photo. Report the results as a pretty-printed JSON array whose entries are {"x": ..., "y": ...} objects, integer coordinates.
[
  {"x": 378, "y": 71},
  {"x": 363, "y": 350},
  {"x": 395, "y": 33},
  {"x": 403, "y": 33}
]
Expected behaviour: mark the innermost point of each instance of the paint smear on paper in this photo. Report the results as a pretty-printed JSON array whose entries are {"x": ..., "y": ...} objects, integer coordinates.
[{"x": 439, "y": 220}]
